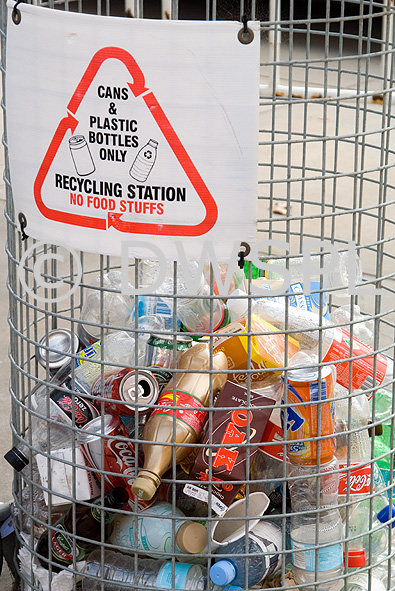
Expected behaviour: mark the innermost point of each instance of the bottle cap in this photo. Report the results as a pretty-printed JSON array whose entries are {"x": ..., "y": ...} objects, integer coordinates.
[
  {"x": 117, "y": 498},
  {"x": 223, "y": 572},
  {"x": 16, "y": 458},
  {"x": 233, "y": 588},
  {"x": 192, "y": 537},
  {"x": 384, "y": 515},
  {"x": 356, "y": 558},
  {"x": 145, "y": 485}
]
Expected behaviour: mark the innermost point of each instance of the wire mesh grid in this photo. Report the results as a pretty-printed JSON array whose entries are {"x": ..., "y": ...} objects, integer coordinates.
[{"x": 326, "y": 175}]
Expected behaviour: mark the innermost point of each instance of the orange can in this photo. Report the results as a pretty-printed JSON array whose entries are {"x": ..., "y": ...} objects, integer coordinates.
[{"x": 302, "y": 395}]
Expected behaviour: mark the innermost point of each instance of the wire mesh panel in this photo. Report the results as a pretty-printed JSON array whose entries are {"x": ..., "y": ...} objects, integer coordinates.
[{"x": 247, "y": 438}]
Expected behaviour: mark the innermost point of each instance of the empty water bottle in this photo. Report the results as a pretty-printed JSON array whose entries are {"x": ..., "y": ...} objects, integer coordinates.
[
  {"x": 115, "y": 571},
  {"x": 260, "y": 560}
]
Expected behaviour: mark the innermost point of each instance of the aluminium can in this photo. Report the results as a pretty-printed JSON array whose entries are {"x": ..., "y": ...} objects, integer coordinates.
[
  {"x": 303, "y": 392},
  {"x": 109, "y": 451},
  {"x": 160, "y": 348},
  {"x": 126, "y": 391},
  {"x": 159, "y": 355},
  {"x": 54, "y": 350}
]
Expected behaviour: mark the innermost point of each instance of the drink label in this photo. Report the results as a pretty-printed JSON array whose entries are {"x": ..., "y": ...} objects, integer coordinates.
[
  {"x": 71, "y": 404},
  {"x": 329, "y": 557},
  {"x": 194, "y": 417},
  {"x": 97, "y": 513},
  {"x": 362, "y": 369},
  {"x": 87, "y": 353},
  {"x": 360, "y": 478},
  {"x": 62, "y": 546},
  {"x": 165, "y": 576},
  {"x": 268, "y": 537}
]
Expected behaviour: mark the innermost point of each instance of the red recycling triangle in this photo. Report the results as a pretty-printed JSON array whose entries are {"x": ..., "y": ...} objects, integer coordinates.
[{"x": 70, "y": 122}]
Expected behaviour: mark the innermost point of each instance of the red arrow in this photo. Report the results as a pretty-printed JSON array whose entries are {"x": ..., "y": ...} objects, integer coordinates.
[
  {"x": 138, "y": 88},
  {"x": 66, "y": 123}
]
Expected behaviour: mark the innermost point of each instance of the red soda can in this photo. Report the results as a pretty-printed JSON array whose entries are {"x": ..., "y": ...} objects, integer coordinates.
[
  {"x": 302, "y": 397},
  {"x": 107, "y": 449},
  {"x": 127, "y": 391}
]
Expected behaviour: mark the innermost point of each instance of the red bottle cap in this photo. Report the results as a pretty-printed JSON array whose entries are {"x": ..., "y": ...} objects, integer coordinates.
[{"x": 356, "y": 558}]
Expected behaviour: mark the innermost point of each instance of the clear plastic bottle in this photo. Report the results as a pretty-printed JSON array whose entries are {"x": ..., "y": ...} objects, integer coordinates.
[
  {"x": 104, "y": 305},
  {"x": 261, "y": 561},
  {"x": 308, "y": 330},
  {"x": 192, "y": 391},
  {"x": 118, "y": 347},
  {"x": 153, "y": 532},
  {"x": 316, "y": 527},
  {"x": 336, "y": 278},
  {"x": 118, "y": 572},
  {"x": 46, "y": 405},
  {"x": 355, "y": 484},
  {"x": 194, "y": 308},
  {"x": 360, "y": 582}
]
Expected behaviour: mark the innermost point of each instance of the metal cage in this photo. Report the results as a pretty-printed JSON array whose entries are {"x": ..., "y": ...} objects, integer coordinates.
[{"x": 326, "y": 177}]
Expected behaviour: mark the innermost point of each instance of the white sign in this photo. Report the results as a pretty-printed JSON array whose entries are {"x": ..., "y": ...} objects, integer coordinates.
[{"x": 138, "y": 129}]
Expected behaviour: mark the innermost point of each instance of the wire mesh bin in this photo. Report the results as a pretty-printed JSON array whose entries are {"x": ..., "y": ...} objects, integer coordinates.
[{"x": 163, "y": 441}]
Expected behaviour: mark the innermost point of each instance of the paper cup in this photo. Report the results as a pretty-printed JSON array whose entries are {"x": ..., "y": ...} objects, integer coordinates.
[{"x": 235, "y": 520}]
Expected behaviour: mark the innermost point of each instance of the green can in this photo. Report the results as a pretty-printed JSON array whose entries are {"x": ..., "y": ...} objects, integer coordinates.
[{"x": 159, "y": 356}]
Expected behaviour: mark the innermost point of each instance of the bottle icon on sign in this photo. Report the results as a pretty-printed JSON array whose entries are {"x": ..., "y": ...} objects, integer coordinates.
[
  {"x": 144, "y": 161},
  {"x": 81, "y": 155}
]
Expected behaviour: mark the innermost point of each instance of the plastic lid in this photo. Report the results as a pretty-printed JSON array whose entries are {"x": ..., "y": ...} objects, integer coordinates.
[
  {"x": 192, "y": 537},
  {"x": 233, "y": 588},
  {"x": 16, "y": 458},
  {"x": 356, "y": 558},
  {"x": 223, "y": 572},
  {"x": 145, "y": 485},
  {"x": 384, "y": 515}
]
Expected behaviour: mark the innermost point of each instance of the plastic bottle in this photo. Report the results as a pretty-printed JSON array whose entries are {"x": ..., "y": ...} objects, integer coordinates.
[
  {"x": 362, "y": 582},
  {"x": 192, "y": 309},
  {"x": 335, "y": 278},
  {"x": 355, "y": 484},
  {"x": 118, "y": 347},
  {"x": 85, "y": 522},
  {"x": 383, "y": 415},
  {"x": 157, "y": 533},
  {"x": 49, "y": 401},
  {"x": 192, "y": 390},
  {"x": 117, "y": 571},
  {"x": 104, "y": 305},
  {"x": 262, "y": 557},
  {"x": 335, "y": 344},
  {"x": 316, "y": 528},
  {"x": 144, "y": 161}
]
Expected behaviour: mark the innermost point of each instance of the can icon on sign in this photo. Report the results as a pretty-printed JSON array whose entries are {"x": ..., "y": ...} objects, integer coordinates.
[
  {"x": 144, "y": 161},
  {"x": 81, "y": 155}
]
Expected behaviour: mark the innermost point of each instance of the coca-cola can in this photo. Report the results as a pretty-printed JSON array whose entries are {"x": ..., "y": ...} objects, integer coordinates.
[
  {"x": 127, "y": 392},
  {"x": 72, "y": 404},
  {"x": 107, "y": 449}
]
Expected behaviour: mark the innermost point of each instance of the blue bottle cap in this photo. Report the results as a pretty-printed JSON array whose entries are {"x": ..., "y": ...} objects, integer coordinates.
[
  {"x": 384, "y": 515},
  {"x": 233, "y": 588},
  {"x": 222, "y": 572}
]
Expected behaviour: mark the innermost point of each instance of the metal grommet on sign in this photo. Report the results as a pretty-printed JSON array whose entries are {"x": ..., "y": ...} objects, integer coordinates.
[
  {"x": 245, "y": 35},
  {"x": 16, "y": 13}
]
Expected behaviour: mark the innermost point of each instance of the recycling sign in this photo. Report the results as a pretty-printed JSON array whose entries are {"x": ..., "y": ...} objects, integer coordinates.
[{"x": 132, "y": 129}]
